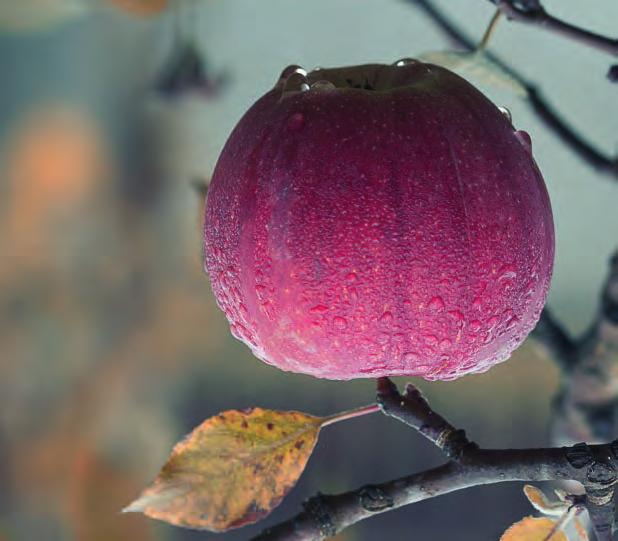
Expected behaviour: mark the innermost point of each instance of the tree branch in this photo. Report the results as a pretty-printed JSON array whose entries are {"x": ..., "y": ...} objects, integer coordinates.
[
  {"x": 534, "y": 14},
  {"x": 540, "y": 106},
  {"x": 594, "y": 466}
]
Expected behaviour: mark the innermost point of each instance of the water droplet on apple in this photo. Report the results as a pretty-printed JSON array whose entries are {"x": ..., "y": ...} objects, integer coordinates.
[
  {"x": 475, "y": 325},
  {"x": 524, "y": 138},
  {"x": 506, "y": 113},
  {"x": 353, "y": 294},
  {"x": 351, "y": 277},
  {"x": 406, "y": 62},
  {"x": 340, "y": 322},
  {"x": 410, "y": 357},
  {"x": 436, "y": 303},
  {"x": 493, "y": 321},
  {"x": 386, "y": 317},
  {"x": 431, "y": 339},
  {"x": 295, "y": 83},
  {"x": 456, "y": 315},
  {"x": 289, "y": 71}
]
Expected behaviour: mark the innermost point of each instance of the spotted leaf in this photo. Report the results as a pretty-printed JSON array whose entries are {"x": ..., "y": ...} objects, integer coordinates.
[{"x": 232, "y": 470}]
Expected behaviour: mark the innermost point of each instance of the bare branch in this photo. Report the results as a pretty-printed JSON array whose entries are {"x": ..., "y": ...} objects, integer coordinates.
[
  {"x": 537, "y": 16},
  {"x": 540, "y": 106},
  {"x": 413, "y": 410},
  {"x": 594, "y": 466}
]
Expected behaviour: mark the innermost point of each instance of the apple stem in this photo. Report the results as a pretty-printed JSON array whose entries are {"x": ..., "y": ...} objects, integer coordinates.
[
  {"x": 491, "y": 27},
  {"x": 350, "y": 414}
]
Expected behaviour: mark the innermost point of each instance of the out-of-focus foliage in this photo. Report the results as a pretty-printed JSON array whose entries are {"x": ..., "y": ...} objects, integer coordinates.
[
  {"x": 31, "y": 15},
  {"x": 38, "y": 15}
]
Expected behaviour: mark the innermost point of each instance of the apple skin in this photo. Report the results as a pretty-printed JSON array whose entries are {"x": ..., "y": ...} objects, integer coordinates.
[{"x": 398, "y": 228}]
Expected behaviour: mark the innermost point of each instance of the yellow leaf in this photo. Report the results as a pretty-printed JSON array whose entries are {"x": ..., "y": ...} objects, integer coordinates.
[
  {"x": 533, "y": 529},
  {"x": 476, "y": 65},
  {"x": 232, "y": 470},
  {"x": 542, "y": 503}
]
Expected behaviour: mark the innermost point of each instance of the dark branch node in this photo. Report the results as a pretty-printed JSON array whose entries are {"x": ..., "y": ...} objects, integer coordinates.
[
  {"x": 601, "y": 473},
  {"x": 579, "y": 455},
  {"x": 374, "y": 499},
  {"x": 317, "y": 509},
  {"x": 457, "y": 444}
]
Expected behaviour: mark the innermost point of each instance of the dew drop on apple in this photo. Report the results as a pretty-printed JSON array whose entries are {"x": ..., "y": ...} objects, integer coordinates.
[
  {"x": 386, "y": 317},
  {"x": 405, "y": 62},
  {"x": 297, "y": 82},
  {"x": 289, "y": 71},
  {"x": 436, "y": 303},
  {"x": 340, "y": 322},
  {"x": 506, "y": 113},
  {"x": 410, "y": 356}
]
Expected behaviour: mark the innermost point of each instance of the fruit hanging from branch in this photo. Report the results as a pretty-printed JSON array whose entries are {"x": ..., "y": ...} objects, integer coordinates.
[{"x": 378, "y": 220}]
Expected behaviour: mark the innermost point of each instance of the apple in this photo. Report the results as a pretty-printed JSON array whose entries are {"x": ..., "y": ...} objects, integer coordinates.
[{"x": 378, "y": 220}]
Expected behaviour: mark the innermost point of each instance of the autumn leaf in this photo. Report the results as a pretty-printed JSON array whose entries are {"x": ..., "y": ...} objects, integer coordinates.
[
  {"x": 533, "y": 529},
  {"x": 232, "y": 470},
  {"x": 541, "y": 502}
]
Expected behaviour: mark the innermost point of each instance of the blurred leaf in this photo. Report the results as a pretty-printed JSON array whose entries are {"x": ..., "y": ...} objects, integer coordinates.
[
  {"x": 533, "y": 529},
  {"x": 187, "y": 71},
  {"x": 141, "y": 7},
  {"x": 581, "y": 531},
  {"x": 31, "y": 15},
  {"x": 542, "y": 503},
  {"x": 96, "y": 488},
  {"x": 476, "y": 65},
  {"x": 232, "y": 470}
]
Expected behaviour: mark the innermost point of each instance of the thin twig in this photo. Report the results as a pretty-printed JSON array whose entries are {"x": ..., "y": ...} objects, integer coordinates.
[
  {"x": 540, "y": 106},
  {"x": 491, "y": 28},
  {"x": 592, "y": 465}
]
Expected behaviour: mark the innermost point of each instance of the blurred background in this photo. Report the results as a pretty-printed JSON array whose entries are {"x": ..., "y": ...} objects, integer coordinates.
[{"x": 112, "y": 114}]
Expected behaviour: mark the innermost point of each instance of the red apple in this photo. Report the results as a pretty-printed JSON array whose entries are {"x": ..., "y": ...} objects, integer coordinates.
[{"x": 378, "y": 220}]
